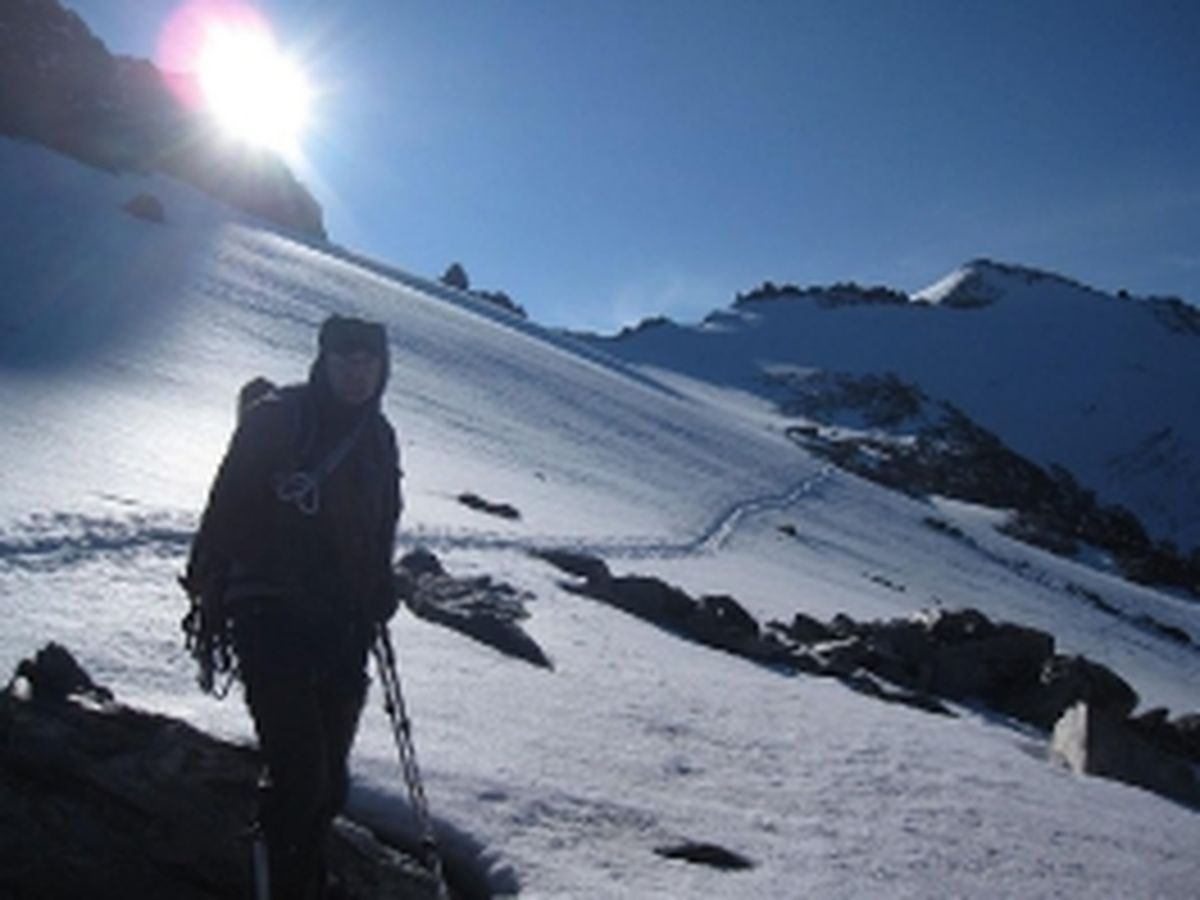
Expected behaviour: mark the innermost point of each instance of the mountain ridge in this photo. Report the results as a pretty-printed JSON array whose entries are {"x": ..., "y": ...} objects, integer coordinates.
[
  {"x": 64, "y": 90},
  {"x": 1067, "y": 374}
]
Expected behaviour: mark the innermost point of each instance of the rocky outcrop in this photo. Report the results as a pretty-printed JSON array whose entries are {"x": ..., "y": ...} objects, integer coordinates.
[
  {"x": 104, "y": 801},
  {"x": 63, "y": 89},
  {"x": 488, "y": 611},
  {"x": 963, "y": 655},
  {"x": 957, "y": 655},
  {"x": 891, "y": 432},
  {"x": 721, "y": 622},
  {"x": 1095, "y": 741},
  {"x": 714, "y": 620}
]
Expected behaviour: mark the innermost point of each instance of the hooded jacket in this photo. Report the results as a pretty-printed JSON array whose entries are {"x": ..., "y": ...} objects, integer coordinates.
[{"x": 325, "y": 569}]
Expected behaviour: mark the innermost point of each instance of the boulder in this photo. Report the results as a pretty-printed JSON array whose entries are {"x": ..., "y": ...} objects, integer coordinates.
[
  {"x": 959, "y": 654},
  {"x": 1096, "y": 741},
  {"x": 652, "y": 598},
  {"x": 999, "y": 661},
  {"x": 957, "y": 626},
  {"x": 479, "y": 607},
  {"x": 902, "y": 652},
  {"x": 724, "y": 612},
  {"x": 843, "y": 626},
  {"x": 807, "y": 630},
  {"x": 54, "y": 676},
  {"x": 1187, "y": 728},
  {"x": 1177, "y": 737},
  {"x": 590, "y": 568},
  {"x": 104, "y": 801},
  {"x": 1065, "y": 681},
  {"x": 421, "y": 562}
]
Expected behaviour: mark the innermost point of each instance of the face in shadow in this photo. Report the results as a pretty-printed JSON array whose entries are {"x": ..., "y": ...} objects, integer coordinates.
[{"x": 354, "y": 376}]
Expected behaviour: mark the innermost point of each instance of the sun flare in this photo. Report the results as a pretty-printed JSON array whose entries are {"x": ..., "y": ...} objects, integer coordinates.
[{"x": 254, "y": 92}]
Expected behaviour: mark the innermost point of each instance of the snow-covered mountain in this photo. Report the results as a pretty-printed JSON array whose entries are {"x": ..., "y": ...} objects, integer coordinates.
[
  {"x": 123, "y": 344},
  {"x": 1065, "y": 375}
]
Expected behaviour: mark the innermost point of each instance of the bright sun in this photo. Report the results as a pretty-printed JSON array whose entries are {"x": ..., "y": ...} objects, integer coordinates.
[{"x": 254, "y": 91}]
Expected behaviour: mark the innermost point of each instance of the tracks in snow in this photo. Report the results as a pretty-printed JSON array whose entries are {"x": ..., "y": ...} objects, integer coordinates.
[
  {"x": 59, "y": 540},
  {"x": 52, "y": 541},
  {"x": 715, "y": 535}
]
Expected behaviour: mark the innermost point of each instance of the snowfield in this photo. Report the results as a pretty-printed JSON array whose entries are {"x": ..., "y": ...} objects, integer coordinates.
[
  {"x": 1063, "y": 373},
  {"x": 122, "y": 347}
]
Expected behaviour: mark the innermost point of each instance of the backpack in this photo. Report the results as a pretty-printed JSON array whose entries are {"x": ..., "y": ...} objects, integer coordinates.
[{"x": 207, "y": 625}]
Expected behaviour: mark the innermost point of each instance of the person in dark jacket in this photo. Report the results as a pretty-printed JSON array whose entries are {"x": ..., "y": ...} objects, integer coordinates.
[{"x": 298, "y": 538}]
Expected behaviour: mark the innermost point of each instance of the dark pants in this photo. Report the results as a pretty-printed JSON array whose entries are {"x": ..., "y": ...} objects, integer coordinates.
[{"x": 305, "y": 698}]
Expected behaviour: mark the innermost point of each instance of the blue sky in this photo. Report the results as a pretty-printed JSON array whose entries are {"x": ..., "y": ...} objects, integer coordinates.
[{"x": 604, "y": 160}]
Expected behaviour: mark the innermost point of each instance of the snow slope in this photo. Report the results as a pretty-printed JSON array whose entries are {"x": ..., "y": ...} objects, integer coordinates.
[
  {"x": 1062, "y": 373},
  {"x": 122, "y": 345}
]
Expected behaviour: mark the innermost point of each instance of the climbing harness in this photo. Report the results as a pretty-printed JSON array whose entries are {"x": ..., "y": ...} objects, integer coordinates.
[
  {"x": 393, "y": 702},
  {"x": 303, "y": 488}
]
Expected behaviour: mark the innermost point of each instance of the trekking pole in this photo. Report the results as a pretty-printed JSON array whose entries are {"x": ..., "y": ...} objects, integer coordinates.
[{"x": 393, "y": 702}]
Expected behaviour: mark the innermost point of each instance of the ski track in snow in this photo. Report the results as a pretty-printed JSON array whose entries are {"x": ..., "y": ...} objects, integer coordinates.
[{"x": 64, "y": 539}]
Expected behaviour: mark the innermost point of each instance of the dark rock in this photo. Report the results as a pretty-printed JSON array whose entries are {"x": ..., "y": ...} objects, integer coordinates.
[
  {"x": 841, "y": 657},
  {"x": 590, "y": 568},
  {"x": 804, "y": 662},
  {"x": 54, "y": 675},
  {"x": 729, "y": 616},
  {"x": 843, "y": 626},
  {"x": 488, "y": 611},
  {"x": 1007, "y": 659},
  {"x": 1152, "y": 719},
  {"x": 706, "y": 855},
  {"x": 477, "y": 503},
  {"x": 652, "y": 598},
  {"x": 841, "y": 651},
  {"x": 901, "y": 652},
  {"x": 146, "y": 207},
  {"x": 1172, "y": 737},
  {"x": 108, "y": 802},
  {"x": 1187, "y": 730},
  {"x": 1096, "y": 741},
  {"x": 957, "y": 626},
  {"x": 1065, "y": 681},
  {"x": 502, "y": 300},
  {"x": 807, "y": 630},
  {"x": 957, "y": 654},
  {"x": 456, "y": 277},
  {"x": 420, "y": 562}
]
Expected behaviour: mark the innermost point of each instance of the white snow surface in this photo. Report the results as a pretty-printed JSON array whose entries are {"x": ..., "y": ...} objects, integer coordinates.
[
  {"x": 122, "y": 346},
  {"x": 1064, "y": 374}
]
